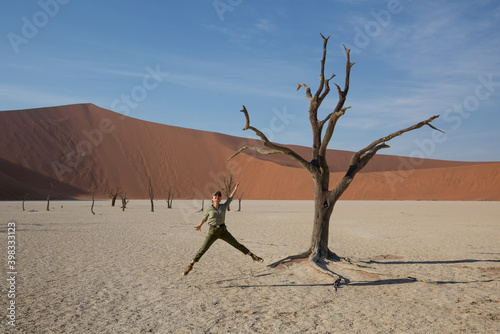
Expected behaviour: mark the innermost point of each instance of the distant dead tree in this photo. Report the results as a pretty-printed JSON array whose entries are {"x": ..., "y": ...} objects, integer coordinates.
[
  {"x": 124, "y": 201},
  {"x": 92, "y": 207},
  {"x": 324, "y": 199},
  {"x": 113, "y": 194},
  {"x": 202, "y": 205},
  {"x": 24, "y": 199},
  {"x": 228, "y": 185},
  {"x": 170, "y": 198},
  {"x": 239, "y": 202},
  {"x": 48, "y": 197},
  {"x": 151, "y": 195}
]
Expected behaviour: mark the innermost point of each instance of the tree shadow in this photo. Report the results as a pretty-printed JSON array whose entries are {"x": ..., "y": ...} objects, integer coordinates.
[
  {"x": 393, "y": 281},
  {"x": 390, "y": 281},
  {"x": 375, "y": 282},
  {"x": 431, "y": 262},
  {"x": 276, "y": 285},
  {"x": 364, "y": 283},
  {"x": 411, "y": 280}
]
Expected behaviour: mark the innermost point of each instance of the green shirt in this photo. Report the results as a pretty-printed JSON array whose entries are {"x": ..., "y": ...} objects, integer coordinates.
[{"x": 216, "y": 217}]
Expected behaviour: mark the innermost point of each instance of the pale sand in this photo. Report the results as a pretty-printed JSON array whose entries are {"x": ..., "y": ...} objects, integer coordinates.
[{"x": 121, "y": 272}]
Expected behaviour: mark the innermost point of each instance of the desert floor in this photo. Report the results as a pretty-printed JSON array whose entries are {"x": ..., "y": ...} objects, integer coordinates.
[{"x": 430, "y": 267}]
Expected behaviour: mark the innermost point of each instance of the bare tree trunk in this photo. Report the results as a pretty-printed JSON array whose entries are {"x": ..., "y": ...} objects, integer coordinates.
[
  {"x": 170, "y": 198},
  {"x": 24, "y": 199},
  {"x": 239, "y": 202},
  {"x": 92, "y": 207},
  {"x": 124, "y": 201},
  {"x": 48, "y": 197},
  {"x": 228, "y": 186},
  {"x": 321, "y": 224},
  {"x": 113, "y": 195},
  {"x": 151, "y": 195}
]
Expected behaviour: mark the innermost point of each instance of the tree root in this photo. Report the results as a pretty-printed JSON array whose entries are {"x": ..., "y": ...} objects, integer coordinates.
[
  {"x": 321, "y": 267},
  {"x": 290, "y": 258},
  {"x": 320, "y": 263},
  {"x": 317, "y": 263}
]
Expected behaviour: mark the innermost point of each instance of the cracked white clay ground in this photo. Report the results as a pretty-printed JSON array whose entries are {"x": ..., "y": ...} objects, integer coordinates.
[{"x": 438, "y": 266}]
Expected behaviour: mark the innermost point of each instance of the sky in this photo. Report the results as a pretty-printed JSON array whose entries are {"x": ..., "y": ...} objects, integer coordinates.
[{"x": 194, "y": 64}]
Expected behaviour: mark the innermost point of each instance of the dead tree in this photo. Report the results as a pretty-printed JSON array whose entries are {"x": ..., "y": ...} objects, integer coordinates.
[
  {"x": 170, "y": 198},
  {"x": 48, "y": 197},
  {"x": 113, "y": 195},
  {"x": 324, "y": 198},
  {"x": 202, "y": 205},
  {"x": 124, "y": 201},
  {"x": 228, "y": 186},
  {"x": 151, "y": 195},
  {"x": 239, "y": 202},
  {"x": 24, "y": 199},
  {"x": 92, "y": 207}
]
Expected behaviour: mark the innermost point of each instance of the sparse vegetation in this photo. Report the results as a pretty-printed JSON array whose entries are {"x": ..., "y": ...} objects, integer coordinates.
[
  {"x": 239, "y": 202},
  {"x": 92, "y": 207},
  {"x": 170, "y": 198},
  {"x": 124, "y": 201},
  {"x": 48, "y": 197},
  {"x": 227, "y": 186},
  {"x": 151, "y": 195},
  {"x": 113, "y": 194},
  {"x": 24, "y": 199}
]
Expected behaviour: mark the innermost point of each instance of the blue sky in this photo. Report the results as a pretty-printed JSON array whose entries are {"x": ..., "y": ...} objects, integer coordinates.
[{"x": 195, "y": 63}]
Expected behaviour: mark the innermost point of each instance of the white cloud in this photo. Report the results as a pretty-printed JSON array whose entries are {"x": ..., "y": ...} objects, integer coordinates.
[
  {"x": 442, "y": 42},
  {"x": 264, "y": 24}
]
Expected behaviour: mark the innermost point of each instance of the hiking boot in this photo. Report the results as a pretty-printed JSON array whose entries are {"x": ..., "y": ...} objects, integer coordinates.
[
  {"x": 256, "y": 258},
  {"x": 188, "y": 269}
]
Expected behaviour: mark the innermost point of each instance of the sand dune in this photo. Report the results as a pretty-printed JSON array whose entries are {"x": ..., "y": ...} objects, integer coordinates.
[{"x": 83, "y": 148}]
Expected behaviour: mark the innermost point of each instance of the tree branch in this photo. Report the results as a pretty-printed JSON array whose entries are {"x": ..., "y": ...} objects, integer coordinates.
[
  {"x": 324, "y": 86},
  {"x": 339, "y": 108},
  {"x": 370, "y": 147},
  {"x": 327, "y": 118},
  {"x": 308, "y": 90},
  {"x": 363, "y": 156},
  {"x": 348, "y": 68},
  {"x": 322, "y": 73},
  {"x": 274, "y": 147},
  {"x": 254, "y": 148}
]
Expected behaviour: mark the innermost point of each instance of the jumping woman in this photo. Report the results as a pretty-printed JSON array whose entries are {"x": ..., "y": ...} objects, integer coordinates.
[{"x": 215, "y": 216}]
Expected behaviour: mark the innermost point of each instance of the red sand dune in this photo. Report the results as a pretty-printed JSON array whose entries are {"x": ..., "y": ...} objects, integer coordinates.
[{"x": 83, "y": 148}]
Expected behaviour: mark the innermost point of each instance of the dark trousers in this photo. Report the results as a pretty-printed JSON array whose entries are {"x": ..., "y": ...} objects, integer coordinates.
[{"x": 219, "y": 233}]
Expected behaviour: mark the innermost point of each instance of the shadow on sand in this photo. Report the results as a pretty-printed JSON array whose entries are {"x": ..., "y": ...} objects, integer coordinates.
[
  {"x": 431, "y": 262},
  {"x": 379, "y": 282}
]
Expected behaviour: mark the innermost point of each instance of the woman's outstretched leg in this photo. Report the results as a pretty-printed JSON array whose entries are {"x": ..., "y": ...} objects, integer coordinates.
[
  {"x": 209, "y": 240},
  {"x": 227, "y": 237}
]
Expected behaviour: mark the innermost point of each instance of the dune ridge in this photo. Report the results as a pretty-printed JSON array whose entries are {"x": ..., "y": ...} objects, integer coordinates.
[{"x": 83, "y": 148}]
